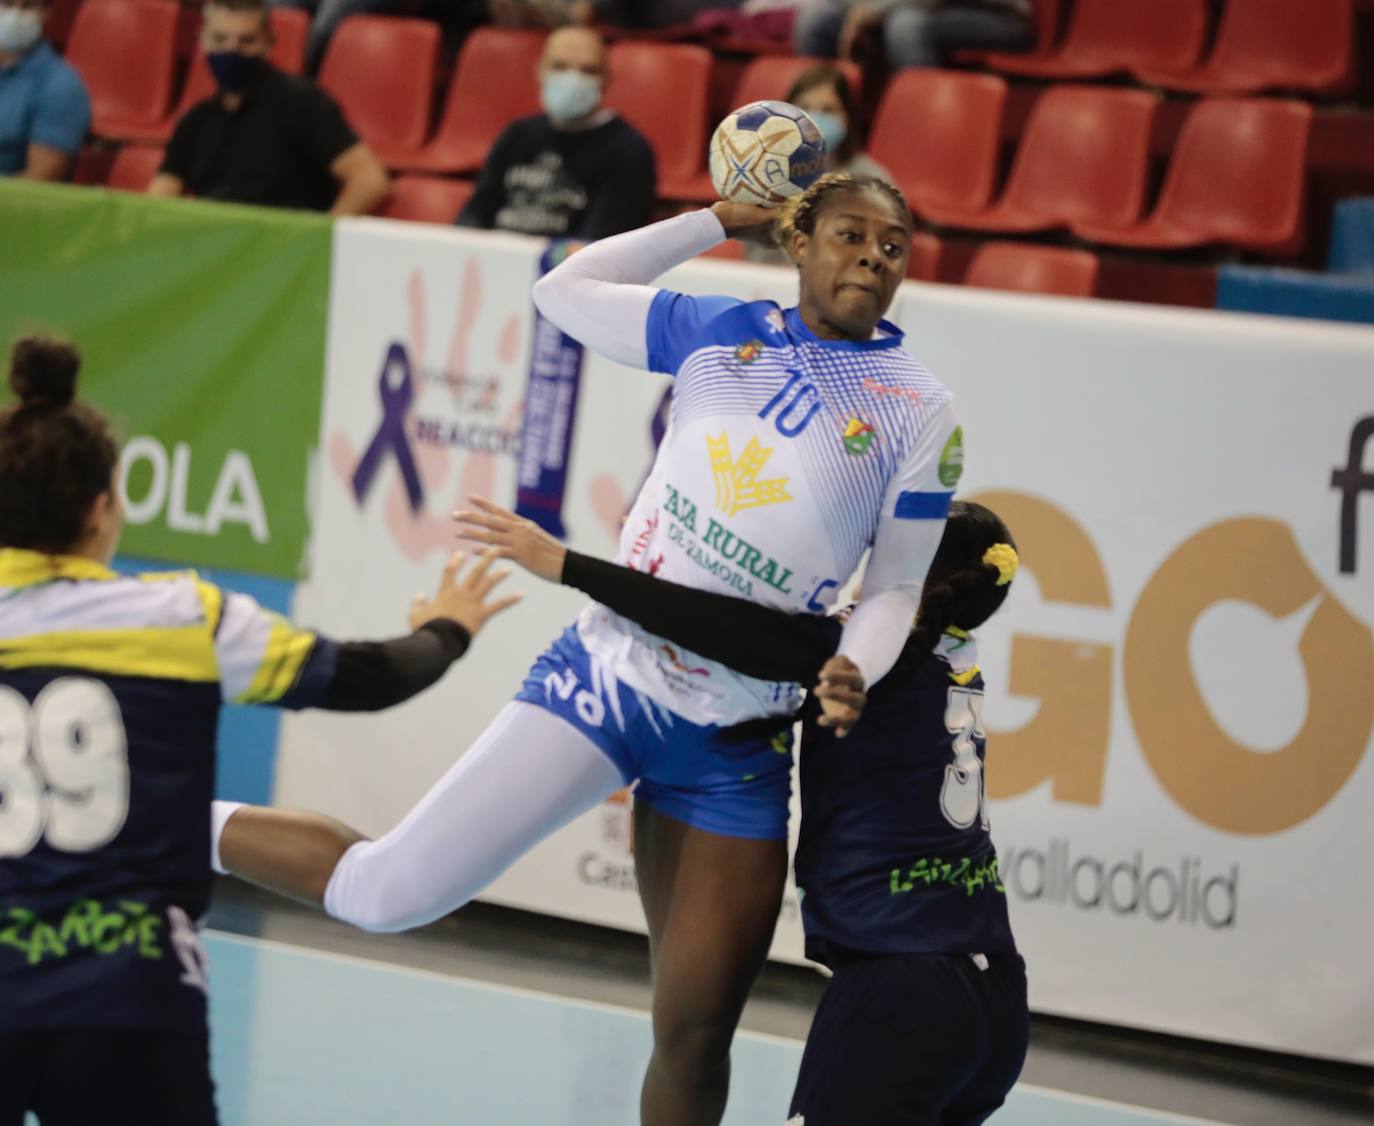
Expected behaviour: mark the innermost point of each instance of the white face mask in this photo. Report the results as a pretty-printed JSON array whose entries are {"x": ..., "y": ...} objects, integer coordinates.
[
  {"x": 568, "y": 95},
  {"x": 19, "y": 29}
]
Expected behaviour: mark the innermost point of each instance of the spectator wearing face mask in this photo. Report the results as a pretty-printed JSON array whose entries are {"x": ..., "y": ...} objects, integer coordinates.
[
  {"x": 574, "y": 171},
  {"x": 265, "y": 137},
  {"x": 824, "y": 92},
  {"x": 44, "y": 108}
]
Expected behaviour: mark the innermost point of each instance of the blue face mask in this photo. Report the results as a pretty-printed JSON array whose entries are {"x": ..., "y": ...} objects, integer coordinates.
[
  {"x": 833, "y": 128},
  {"x": 19, "y": 29},
  {"x": 568, "y": 95},
  {"x": 234, "y": 72}
]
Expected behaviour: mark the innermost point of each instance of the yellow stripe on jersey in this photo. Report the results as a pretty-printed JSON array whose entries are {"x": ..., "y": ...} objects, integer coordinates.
[
  {"x": 287, "y": 651},
  {"x": 212, "y": 598},
  {"x": 962, "y": 678},
  {"x": 20, "y": 568},
  {"x": 172, "y": 653}
]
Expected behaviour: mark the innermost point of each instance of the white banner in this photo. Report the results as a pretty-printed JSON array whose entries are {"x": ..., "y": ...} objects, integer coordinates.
[{"x": 1181, "y": 689}]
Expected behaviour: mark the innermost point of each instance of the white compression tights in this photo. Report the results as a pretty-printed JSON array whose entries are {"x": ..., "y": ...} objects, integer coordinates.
[{"x": 529, "y": 774}]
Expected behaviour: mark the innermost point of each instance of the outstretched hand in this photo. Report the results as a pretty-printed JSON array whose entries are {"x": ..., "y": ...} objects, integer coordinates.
[
  {"x": 841, "y": 693},
  {"x": 464, "y": 597},
  {"x": 512, "y": 537}
]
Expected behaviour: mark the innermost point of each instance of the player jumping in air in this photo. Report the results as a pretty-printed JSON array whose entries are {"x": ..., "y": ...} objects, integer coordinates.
[
  {"x": 798, "y": 439},
  {"x": 110, "y": 693}
]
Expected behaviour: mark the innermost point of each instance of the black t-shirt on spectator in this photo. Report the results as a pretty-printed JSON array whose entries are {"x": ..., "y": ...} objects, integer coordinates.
[
  {"x": 274, "y": 150},
  {"x": 557, "y": 183}
]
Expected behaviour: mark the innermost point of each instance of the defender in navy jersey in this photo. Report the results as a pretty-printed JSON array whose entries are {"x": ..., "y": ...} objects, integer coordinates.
[
  {"x": 110, "y": 693},
  {"x": 926, "y": 1019}
]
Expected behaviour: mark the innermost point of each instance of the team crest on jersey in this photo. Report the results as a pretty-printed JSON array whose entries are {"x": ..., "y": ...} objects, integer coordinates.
[
  {"x": 737, "y": 481},
  {"x": 858, "y": 436},
  {"x": 749, "y": 351}
]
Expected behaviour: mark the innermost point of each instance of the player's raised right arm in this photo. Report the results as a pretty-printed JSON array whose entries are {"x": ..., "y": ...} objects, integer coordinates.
[{"x": 601, "y": 295}]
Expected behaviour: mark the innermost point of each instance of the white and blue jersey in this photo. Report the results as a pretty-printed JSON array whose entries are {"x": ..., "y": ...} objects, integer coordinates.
[{"x": 785, "y": 457}]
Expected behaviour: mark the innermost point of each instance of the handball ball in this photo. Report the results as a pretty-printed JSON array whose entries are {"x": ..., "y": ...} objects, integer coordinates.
[{"x": 766, "y": 152}]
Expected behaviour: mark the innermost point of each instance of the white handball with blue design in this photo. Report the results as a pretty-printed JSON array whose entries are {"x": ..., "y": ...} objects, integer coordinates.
[{"x": 765, "y": 153}]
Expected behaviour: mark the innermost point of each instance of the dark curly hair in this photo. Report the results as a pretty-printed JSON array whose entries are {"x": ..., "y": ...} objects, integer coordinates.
[
  {"x": 57, "y": 455},
  {"x": 801, "y": 212},
  {"x": 962, "y": 590}
]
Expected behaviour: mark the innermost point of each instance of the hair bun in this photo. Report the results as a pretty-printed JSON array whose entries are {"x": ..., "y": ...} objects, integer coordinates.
[{"x": 43, "y": 371}]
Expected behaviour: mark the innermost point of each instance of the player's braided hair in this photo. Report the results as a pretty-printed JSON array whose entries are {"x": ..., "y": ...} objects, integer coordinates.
[
  {"x": 57, "y": 455},
  {"x": 963, "y": 589},
  {"x": 801, "y": 211}
]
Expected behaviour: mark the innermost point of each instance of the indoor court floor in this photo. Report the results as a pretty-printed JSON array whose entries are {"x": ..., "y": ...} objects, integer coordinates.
[
  {"x": 304, "y": 1037},
  {"x": 500, "y": 1018}
]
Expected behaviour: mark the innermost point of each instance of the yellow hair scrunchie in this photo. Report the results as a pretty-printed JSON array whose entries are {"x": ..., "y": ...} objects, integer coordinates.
[{"x": 1002, "y": 556}]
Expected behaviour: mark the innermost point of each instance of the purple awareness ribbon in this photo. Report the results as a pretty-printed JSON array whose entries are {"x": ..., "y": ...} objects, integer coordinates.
[{"x": 391, "y": 433}]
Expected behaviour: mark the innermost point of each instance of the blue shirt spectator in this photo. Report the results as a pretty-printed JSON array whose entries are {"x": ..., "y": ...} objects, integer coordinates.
[{"x": 44, "y": 108}]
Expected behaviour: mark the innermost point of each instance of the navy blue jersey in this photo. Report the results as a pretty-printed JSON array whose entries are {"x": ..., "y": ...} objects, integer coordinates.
[
  {"x": 110, "y": 692},
  {"x": 895, "y": 854}
]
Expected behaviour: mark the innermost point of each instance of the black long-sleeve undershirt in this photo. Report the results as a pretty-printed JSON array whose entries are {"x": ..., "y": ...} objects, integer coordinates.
[
  {"x": 749, "y": 638},
  {"x": 372, "y": 675}
]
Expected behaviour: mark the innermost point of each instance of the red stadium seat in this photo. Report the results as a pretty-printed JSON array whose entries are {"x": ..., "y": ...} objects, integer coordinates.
[
  {"x": 426, "y": 199},
  {"x": 1083, "y": 158},
  {"x": 92, "y": 165},
  {"x": 382, "y": 71},
  {"x": 1106, "y": 36},
  {"x": 126, "y": 52},
  {"x": 493, "y": 84},
  {"x": 937, "y": 133},
  {"x": 289, "y": 29},
  {"x": 1236, "y": 176},
  {"x": 1033, "y": 269},
  {"x": 58, "y": 26},
  {"x": 1272, "y": 44},
  {"x": 924, "y": 264},
  {"x": 662, "y": 90},
  {"x": 1047, "y": 16},
  {"x": 769, "y": 77},
  {"x": 133, "y": 168}
]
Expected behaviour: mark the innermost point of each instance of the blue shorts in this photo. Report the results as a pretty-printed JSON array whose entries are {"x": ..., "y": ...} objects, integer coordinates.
[{"x": 735, "y": 781}]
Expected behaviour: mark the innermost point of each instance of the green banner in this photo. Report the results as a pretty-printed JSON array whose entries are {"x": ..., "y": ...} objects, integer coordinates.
[{"x": 202, "y": 330}]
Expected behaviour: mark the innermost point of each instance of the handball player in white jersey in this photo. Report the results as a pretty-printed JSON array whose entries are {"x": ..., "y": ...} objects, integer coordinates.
[{"x": 798, "y": 438}]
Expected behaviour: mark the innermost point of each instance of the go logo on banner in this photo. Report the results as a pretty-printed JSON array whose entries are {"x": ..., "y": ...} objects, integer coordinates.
[{"x": 1219, "y": 780}]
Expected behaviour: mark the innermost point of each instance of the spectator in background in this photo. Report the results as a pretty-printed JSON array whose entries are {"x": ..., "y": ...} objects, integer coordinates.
[
  {"x": 540, "y": 13},
  {"x": 912, "y": 32},
  {"x": 44, "y": 108},
  {"x": 455, "y": 16},
  {"x": 574, "y": 171},
  {"x": 265, "y": 137},
  {"x": 824, "y": 92},
  {"x": 651, "y": 15}
]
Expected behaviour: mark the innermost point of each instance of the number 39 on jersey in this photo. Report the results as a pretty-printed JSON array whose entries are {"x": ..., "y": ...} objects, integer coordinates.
[{"x": 64, "y": 768}]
